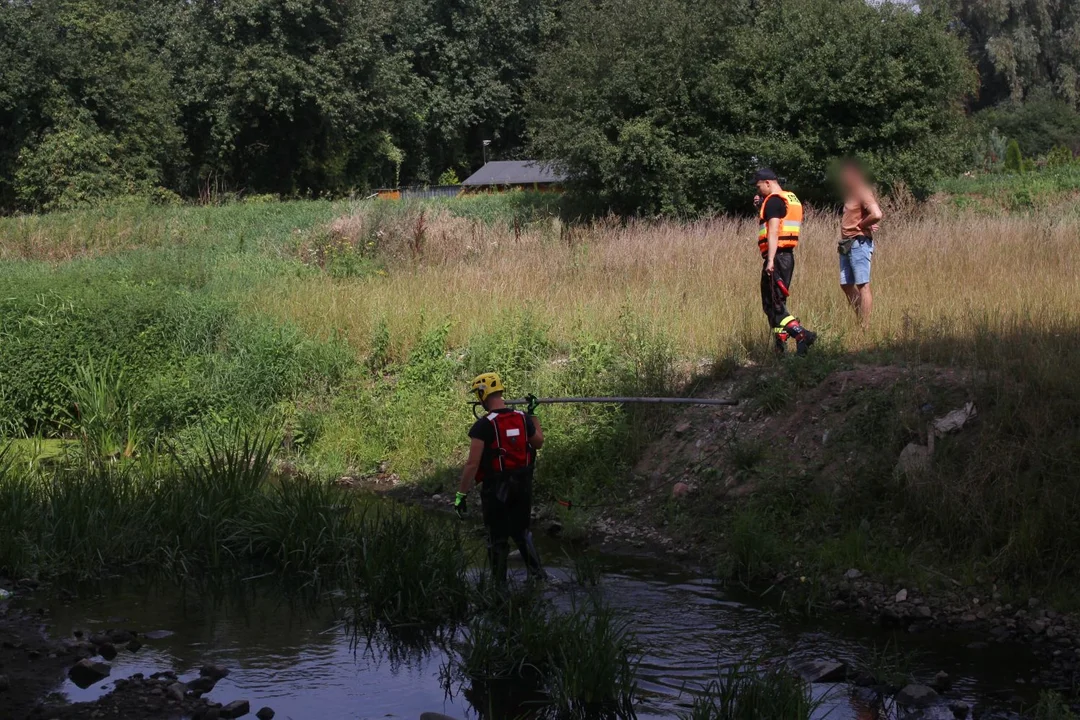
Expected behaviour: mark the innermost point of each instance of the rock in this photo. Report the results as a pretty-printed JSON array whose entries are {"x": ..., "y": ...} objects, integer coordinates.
[
  {"x": 176, "y": 691},
  {"x": 959, "y": 709},
  {"x": 941, "y": 682},
  {"x": 214, "y": 671},
  {"x": 554, "y": 529},
  {"x": 681, "y": 429},
  {"x": 914, "y": 460},
  {"x": 99, "y": 639},
  {"x": 924, "y": 611},
  {"x": 85, "y": 673},
  {"x": 435, "y": 716},
  {"x": 954, "y": 420},
  {"x": 202, "y": 684},
  {"x": 265, "y": 714},
  {"x": 50, "y": 711},
  {"x": 107, "y": 651},
  {"x": 821, "y": 671},
  {"x": 901, "y": 596},
  {"x": 158, "y": 634},
  {"x": 235, "y": 709},
  {"x": 916, "y": 696},
  {"x": 978, "y": 645},
  {"x": 863, "y": 679},
  {"x": 889, "y": 616},
  {"x": 5, "y": 684},
  {"x": 436, "y": 498},
  {"x": 119, "y": 637},
  {"x": 134, "y": 646},
  {"x": 681, "y": 489},
  {"x": 853, "y": 574}
]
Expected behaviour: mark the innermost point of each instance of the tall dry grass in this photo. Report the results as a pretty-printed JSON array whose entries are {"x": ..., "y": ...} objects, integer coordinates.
[{"x": 697, "y": 281}]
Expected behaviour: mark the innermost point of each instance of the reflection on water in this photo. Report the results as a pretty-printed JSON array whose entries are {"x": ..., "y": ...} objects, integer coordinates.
[{"x": 298, "y": 657}]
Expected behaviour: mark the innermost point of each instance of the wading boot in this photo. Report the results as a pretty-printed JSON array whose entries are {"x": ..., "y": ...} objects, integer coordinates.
[{"x": 531, "y": 558}]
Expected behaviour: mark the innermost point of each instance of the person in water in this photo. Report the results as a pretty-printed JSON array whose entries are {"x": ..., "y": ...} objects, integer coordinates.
[{"x": 502, "y": 454}]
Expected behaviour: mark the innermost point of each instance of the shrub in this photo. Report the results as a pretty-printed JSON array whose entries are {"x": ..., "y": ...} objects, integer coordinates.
[
  {"x": 1059, "y": 157},
  {"x": 1014, "y": 161},
  {"x": 1038, "y": 124},
  {"x": 449, "y": 177}
]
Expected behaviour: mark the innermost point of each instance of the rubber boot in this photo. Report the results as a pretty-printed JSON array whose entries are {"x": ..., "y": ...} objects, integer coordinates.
[
  {"x": 803, "y": 338},
  {"x": 780, "y": 337}
]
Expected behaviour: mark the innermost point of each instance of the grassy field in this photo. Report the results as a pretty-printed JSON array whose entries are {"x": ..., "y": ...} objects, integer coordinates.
[{"x": 352, "y": 328}]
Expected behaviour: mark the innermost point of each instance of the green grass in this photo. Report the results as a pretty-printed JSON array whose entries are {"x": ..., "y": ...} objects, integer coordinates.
[{"x": 131, "y": 329}]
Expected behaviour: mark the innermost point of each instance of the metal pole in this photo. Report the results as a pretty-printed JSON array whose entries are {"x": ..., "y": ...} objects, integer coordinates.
[{"x": 620, "y": 400}]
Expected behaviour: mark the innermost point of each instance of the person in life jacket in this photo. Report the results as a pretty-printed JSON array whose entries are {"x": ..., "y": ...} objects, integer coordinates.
[
  {"x": 781, "y": 216},
  {"x": 502, "y": 454}
]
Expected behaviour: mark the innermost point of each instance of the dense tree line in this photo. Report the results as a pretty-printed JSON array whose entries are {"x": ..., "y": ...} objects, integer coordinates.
[
  {"x": 105, "y": 97},
  {"x": 676, "y": 101},
  {"x": 653, "y": 105}
]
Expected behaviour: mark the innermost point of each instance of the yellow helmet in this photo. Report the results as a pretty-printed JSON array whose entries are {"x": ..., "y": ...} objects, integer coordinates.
[{"x": 486, "y": 384}]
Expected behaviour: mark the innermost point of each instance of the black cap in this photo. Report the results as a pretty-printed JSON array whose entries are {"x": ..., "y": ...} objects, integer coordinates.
[{"x": 764, "y": 174}]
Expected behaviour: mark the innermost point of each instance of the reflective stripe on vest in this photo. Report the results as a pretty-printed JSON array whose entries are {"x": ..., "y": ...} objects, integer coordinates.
[{"x": 790, "y": 226}]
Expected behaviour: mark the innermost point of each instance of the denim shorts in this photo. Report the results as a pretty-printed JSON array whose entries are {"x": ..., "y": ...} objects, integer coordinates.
[{"x": 855, "y": 267}]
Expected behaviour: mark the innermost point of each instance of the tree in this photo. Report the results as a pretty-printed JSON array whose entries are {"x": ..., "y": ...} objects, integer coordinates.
[
  {"x": 470, "y": 62},
  {"x": 668, "y": 105},
  {"x": 88, "y": 104},
  {"x": 1020, "y": 46}
]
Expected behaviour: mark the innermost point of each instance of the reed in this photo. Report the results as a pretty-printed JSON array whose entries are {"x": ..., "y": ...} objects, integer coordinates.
[
  {"x": 577, "y": 662},
  {"x": 747, "y": 692}
]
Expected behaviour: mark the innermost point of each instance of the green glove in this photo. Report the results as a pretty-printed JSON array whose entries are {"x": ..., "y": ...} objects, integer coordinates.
[
  {"x": 459, "y": 504},
  {"x": 534, "y": 403}
]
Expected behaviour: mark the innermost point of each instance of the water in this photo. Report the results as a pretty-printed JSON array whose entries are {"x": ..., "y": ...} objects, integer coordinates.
[{"x": 300, "y": 661}]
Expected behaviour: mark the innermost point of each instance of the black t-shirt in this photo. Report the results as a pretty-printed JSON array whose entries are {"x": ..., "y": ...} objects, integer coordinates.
[{"x": 775, "y": 207}]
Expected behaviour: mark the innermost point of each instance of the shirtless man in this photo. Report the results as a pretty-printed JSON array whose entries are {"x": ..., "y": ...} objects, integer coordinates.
[{"x": 857, "y": 225}]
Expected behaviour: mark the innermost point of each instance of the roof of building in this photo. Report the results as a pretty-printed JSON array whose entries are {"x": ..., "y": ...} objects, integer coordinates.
[{"x": 514, "y": 172}]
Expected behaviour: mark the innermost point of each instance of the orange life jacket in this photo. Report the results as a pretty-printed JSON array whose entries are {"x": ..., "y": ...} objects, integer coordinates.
[
  {"x": 789, "y": 226},
  {"x": 509, "y": 451}
]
